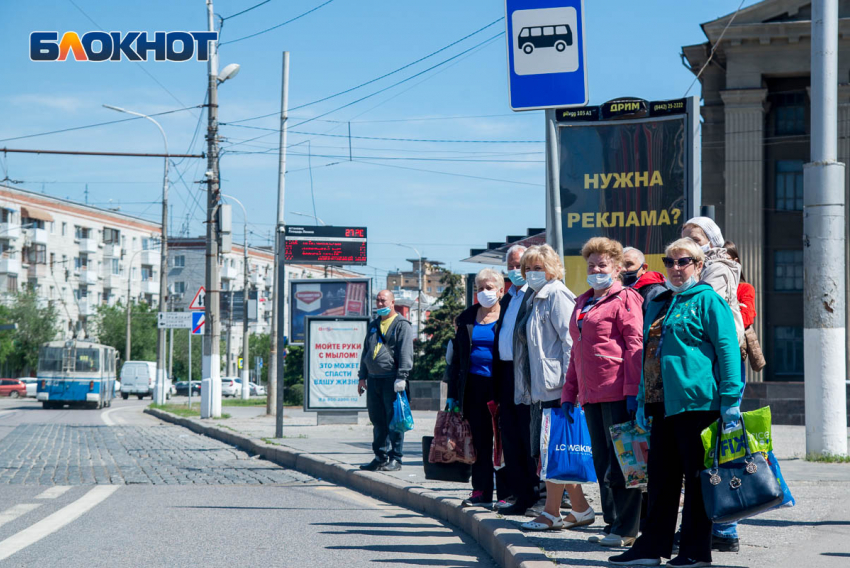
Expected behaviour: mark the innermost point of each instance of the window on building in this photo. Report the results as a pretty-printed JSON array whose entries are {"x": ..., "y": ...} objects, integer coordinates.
[
  {"x": 147, "y": 244},
  {"x": 116, "y": 266},
  {"x": 81, "y": 232},
  {"x": 179, "y": 287},
  {"x": 788, "y": 271},
  {"x": 64, "y": 229},
  {"x": 133, "y": 272},
  {"x": 149, "y": 299},
  {"x": 111, "y": 236},
  {"x": 790, "y": 113},
  {"x": 123, "y": 242},
  {"x": 31, "y": 223},
  {"x": 52, "y": 260},
  {"x": 12, "y": 283},
  {"x": 180, "y": 261},
  {"x": 225, "y": 285},
  {"x": 6, "y": 249},
  {"x": 789, "y": 185},
  {"x": 53, "y": 227},
  {"x": 134, "y": 243},
  {"x": 147, "y": 273},
  {"x": 35, "y": 254},
  {"x": 105, "y": 298},
  {"x": 6, "y": 215},
  {"x": 51, "y": 293},
  {"x": 788, "y": 350}
]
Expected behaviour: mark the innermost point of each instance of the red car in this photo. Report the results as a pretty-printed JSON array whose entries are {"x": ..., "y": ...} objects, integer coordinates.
[{"x": 13, "y": 388}]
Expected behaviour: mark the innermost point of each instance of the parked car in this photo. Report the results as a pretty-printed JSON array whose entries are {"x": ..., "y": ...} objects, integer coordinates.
[
  {"x": 13, "y": 388},
  {"x": 182, "y": 388},
  {"x": 31, "y": 384},
  {"x": 230, "y": 386},
  {"x": 258, "y": 390}
]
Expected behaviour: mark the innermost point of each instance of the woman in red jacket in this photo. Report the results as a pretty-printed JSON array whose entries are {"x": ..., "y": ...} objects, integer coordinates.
[
  {"x": 746, "y": 292},
  {"x": 604, "y": 374}
]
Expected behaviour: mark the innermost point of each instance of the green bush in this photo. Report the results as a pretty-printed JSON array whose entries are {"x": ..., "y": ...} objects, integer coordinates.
[{"x": 293, "y": 395}]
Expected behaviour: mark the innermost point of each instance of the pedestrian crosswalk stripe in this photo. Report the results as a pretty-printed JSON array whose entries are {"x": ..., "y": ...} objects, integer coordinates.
[
  {"x": 13, "y": 513},
  {"x": 53, "y": 492}
]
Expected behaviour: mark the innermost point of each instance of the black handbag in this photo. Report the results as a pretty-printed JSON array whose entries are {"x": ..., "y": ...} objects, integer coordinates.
[
  {"x": 739, "y": 488},
  {"x": 456, "y": 471}
]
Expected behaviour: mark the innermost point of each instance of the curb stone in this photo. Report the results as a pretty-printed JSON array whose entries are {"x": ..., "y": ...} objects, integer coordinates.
[{"x": 499, "y": 538}]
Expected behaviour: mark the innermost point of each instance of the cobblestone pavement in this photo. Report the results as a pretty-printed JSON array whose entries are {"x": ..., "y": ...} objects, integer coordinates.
[{"x": 65, "y": 454}]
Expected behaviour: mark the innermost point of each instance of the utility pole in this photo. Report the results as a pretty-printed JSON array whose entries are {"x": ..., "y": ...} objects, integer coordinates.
[
  {"x": 170, "y": 336},
  {"x": 246, "y": 388},
  {"x": 554, "y": 238},
  {"x": 278, "y": 355},
  {"x": 212, "y": 330},
  {"x": 277, "y": 289},
  {"x": 824, "y": 306}
]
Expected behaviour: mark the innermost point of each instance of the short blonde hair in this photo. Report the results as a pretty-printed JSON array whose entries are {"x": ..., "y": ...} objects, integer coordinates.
[
  {"x": 552, "y": 264},
  {"x": 604, "y": 246},
  {"x": 490, "y": 275},
  {"x": 686, "y": 245}
]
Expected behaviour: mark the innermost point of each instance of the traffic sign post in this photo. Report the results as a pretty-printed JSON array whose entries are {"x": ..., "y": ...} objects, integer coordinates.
[
  {"x": 546, "y": 54},
  {"x": 198, "y": 323}
]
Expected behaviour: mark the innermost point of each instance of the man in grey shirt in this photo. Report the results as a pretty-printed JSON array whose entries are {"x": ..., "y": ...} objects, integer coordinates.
[{"x": 385, "y": 364}]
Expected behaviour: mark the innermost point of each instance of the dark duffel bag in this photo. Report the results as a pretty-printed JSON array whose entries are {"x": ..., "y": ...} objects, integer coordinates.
[{"x": 456, "y": 471}]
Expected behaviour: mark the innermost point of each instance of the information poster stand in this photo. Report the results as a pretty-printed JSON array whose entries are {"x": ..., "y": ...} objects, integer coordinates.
[{"x": 332, "y": 350}]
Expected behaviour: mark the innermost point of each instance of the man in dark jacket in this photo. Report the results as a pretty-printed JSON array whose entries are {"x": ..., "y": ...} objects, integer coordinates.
[
  {"x": 636, "y": 274},
  {"x": 385, "y": 364}
]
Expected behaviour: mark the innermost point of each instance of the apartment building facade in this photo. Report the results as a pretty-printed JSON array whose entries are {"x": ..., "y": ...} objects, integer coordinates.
[
  {"x": 409, "y": 279},
  {"x": 76, "y": 256}
]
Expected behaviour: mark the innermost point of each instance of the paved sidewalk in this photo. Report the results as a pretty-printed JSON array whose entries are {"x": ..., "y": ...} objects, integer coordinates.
[{"x": 815, "y": 533}]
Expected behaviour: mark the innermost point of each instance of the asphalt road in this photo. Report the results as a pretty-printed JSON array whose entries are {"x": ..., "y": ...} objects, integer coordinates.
[{"x": 116, "y": 487}]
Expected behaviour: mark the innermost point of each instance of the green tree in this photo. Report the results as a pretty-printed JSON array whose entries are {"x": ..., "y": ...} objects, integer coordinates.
[
  {"x": 293, "y": 375},
  {"x": 180, "y": 368},
  {"x": 36, "y": 326},
  {"x": 259, "y": 345},
  {"x": 439, "y": 328},
  {"x": 110, "y": 328}
]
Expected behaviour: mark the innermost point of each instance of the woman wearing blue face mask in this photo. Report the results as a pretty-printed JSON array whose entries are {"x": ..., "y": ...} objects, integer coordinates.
[
  {"x": 603, "y": 376},
  {"x": 472, "y": 385},
  {"x": 543, "y": 342},
  {"x": 692, "y": 364}
]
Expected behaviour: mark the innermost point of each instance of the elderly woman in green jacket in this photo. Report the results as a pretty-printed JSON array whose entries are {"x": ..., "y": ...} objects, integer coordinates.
[{"x": 698, "y": 357}]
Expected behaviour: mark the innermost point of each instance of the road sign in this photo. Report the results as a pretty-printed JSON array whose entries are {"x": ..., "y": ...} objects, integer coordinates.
[
  {"x": 173, "y": 320},
  {"x": 198, "y": 321},
  {"x": 258, "y": 362},
  {"x": 199, "y": 301},
  {"x": 546, "y": 54},
  {"x": 239, "y": 362}
]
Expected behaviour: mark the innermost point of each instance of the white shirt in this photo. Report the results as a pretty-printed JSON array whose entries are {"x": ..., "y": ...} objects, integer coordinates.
[{"x": 506, "y": 333}]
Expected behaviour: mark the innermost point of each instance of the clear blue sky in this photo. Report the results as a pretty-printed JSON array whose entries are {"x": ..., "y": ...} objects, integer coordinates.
[{"x": 633, "y": 50}]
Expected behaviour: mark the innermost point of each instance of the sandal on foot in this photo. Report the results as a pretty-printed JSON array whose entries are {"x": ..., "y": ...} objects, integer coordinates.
[
  {"x": 557, "y": 524},
  {"x": 582, "y": 519}
]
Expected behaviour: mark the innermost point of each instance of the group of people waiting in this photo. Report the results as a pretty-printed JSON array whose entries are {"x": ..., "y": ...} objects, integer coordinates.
[{"x": 666, "y": 352}]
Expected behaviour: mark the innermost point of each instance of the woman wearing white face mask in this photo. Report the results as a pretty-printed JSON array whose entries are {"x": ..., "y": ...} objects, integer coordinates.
[
  {"x": 603, "y": 376},
  {"x": 472, "y": 382},
  {"x": 544, "y": 332}
]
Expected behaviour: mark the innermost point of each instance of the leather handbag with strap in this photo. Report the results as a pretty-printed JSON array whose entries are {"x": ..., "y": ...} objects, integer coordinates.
[
  {"x": 754, "y": 352},
  {"x": 739, "y": 488}
]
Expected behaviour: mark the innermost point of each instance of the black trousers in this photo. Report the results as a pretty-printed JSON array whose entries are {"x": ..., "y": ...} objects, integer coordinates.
[
  {"x": 380, "y": 396},
  {"x": 479, "y": 391},
  {"x": 620, "y": 506},
  {"x": 515, "y": 425},
  {"x": 675, "y": 450}
]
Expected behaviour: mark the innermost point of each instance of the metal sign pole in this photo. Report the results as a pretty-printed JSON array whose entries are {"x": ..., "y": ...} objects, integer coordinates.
[
  {"x": 280, "y": 277},
  {"x": 190, "y": 367},
  {"x": 553, "y": 190}
]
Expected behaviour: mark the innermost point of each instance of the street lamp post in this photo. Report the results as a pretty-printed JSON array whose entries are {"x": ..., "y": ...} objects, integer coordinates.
[
  {"x": 129, "y": 304},
  {"x": 419, "y": 291},
  {"x": 246, "y": 387},
  {"x": 159, "y": 391}
]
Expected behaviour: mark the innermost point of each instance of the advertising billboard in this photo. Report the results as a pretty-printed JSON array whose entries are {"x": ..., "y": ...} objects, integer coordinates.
[
  {"x": 332, "y": 362},
  {"x": 326, "y": 297},
  {"x": 625, "y": 172}
]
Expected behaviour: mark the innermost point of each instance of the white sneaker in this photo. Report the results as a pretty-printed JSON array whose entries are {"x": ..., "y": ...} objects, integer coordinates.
[{"x": 614, "y": 540}]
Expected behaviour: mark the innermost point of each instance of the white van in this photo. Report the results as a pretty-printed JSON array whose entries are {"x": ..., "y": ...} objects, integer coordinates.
[{"x": 139, "y": 378}]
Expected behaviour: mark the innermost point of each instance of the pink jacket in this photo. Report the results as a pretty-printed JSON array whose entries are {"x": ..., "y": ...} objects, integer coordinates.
[{"x": 606, "y": 358}]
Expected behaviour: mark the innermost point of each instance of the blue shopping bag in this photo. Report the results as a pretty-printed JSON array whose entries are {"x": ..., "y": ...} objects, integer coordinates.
[
  {"x": 565, "y": 450},
  {"x": 788, "y": 499},
  {"x": 402, "y": 417}
]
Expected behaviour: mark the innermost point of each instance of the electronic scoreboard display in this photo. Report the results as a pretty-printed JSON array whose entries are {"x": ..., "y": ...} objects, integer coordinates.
[{"x": 325, "y": 245}]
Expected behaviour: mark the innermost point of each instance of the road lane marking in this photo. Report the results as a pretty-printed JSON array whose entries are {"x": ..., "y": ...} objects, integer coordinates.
[
  {"x": 108, "y": 420},
  {"x": 53, "y": 492},
  {"x": 56, "y": 521},
  {"x": 13, "y": 513}
]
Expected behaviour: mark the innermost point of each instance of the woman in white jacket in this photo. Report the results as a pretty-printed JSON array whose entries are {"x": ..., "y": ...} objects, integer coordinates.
[{"x": 545, "y": 333}]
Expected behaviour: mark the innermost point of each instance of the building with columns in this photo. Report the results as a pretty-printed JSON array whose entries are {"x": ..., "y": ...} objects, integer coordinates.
[{"x": 755, "y": 140}]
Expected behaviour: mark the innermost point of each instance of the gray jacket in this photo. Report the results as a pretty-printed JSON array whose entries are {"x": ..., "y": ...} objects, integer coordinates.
[
  {"x": 395, "y": 359},
  {"x": 724, "y": 274},
  {"x": 548, "y": 343},
  {"x": 522, "y": 371}
]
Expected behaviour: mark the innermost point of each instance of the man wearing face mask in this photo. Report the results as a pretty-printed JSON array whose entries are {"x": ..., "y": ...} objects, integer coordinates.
[
  {"x": 472, "y": 386},
  {"x": 637, "y": 275},
  {"x": 514, "y": 415},
  {"x": 385, "y": 364}
]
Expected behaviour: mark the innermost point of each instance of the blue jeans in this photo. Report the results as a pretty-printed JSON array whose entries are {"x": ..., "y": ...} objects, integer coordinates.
[{"x": 730, "y": 530}]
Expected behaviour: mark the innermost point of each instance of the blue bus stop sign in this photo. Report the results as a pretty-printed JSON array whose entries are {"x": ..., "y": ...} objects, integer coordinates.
[{"x": 546, "y": 54}]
